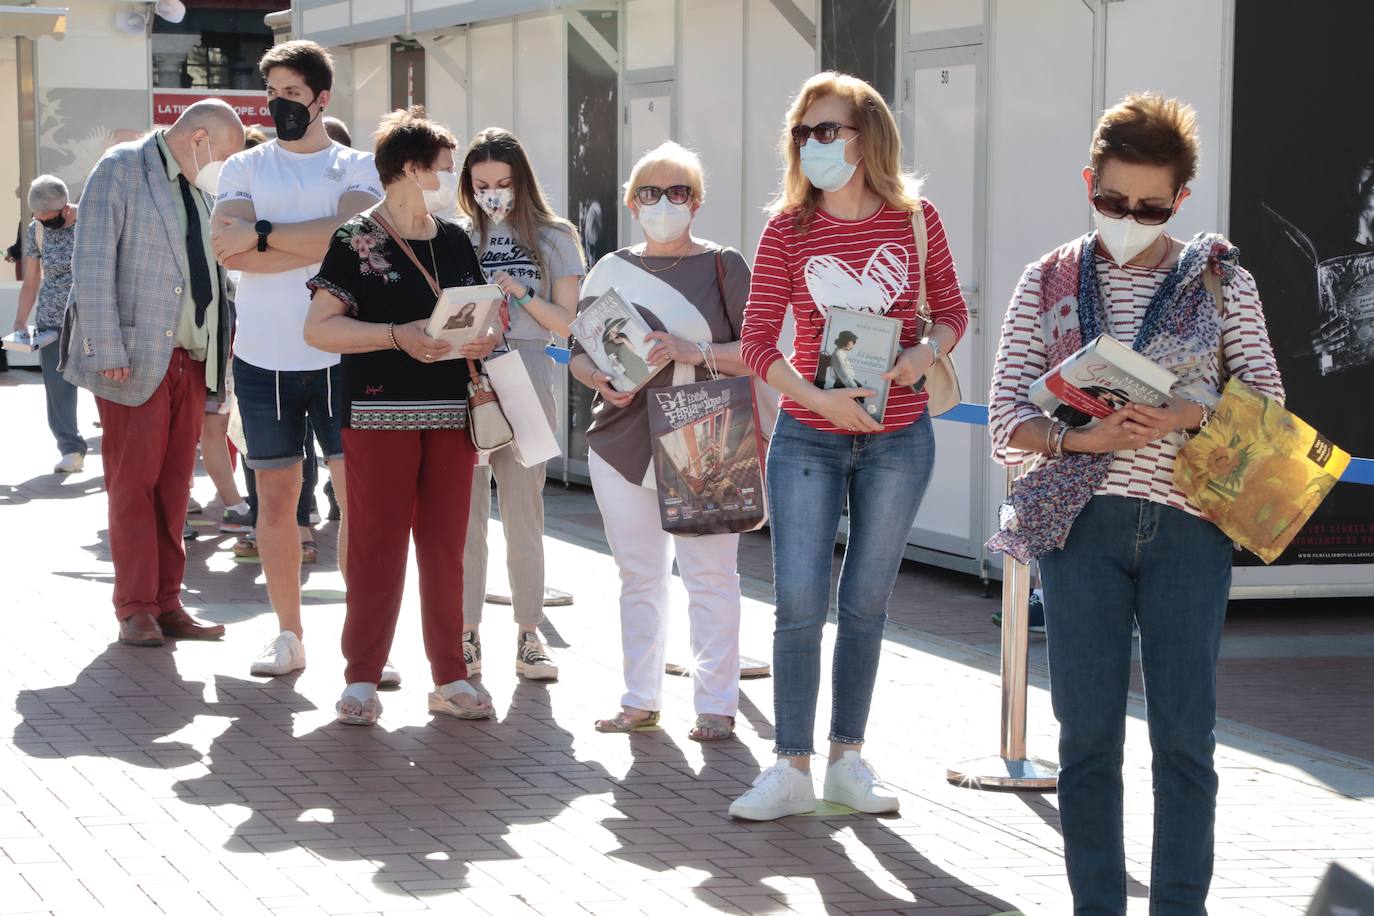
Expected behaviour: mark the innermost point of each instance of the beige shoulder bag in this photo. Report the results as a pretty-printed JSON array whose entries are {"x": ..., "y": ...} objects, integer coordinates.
[{"x": 940, "y": 383}]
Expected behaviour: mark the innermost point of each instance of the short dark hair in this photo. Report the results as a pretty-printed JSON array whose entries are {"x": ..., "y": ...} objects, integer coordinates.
[
  {"x": 337, "y": 131},
  {"x": 1148, "y": 129},
  {"x": 252, "y": 136},
  {"x": 407, "y": 135},
  {"x": 308, "y": 59}
]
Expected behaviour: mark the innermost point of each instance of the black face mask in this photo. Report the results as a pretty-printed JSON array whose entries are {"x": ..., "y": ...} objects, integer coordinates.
[
  {"x": 57, "y": 222},
  {"x": 290, "y": 117}
]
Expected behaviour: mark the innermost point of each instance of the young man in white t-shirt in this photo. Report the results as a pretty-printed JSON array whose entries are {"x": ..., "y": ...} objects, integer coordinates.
[{"x": 279, "y": 204}]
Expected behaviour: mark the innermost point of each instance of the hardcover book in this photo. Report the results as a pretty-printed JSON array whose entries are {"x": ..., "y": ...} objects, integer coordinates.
[
  {"x": 29, "y": 339},
  {"x": 464, "y": 313},
  {"x": 856, "y": 349},
  {"x": 1098, "y": 380},
  {"x": 612, "y": 332}
]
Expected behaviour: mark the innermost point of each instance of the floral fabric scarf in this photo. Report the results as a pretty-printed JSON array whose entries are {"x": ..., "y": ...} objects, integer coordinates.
[{"x": 1181, "y": 331}]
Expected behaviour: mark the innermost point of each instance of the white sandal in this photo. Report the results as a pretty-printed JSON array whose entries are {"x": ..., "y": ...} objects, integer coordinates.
[
  {"x": 369, "y": 710},
  {"x": 450, "y": 705}
]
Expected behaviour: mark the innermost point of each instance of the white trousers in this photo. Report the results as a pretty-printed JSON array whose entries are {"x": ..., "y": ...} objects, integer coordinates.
[{"x": 709, "y": 567}]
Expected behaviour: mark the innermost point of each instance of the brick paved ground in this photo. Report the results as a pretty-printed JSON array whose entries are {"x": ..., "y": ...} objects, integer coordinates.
[{"x": 142, "y": 780}]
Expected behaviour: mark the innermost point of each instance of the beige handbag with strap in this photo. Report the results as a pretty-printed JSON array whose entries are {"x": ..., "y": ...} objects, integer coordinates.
[{"x": 940, "y": 383}]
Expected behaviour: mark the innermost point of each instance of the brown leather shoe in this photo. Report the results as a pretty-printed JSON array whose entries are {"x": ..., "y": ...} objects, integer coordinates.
[
  {"x": 140, "y": 630},
  {"x": 180, "y": 625}
]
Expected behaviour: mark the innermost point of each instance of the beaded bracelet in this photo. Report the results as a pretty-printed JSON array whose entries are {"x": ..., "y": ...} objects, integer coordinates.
[{"x": 391, "y": 332}]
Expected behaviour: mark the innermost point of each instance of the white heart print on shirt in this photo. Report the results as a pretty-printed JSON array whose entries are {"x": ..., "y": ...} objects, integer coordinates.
[{"x": 832, "y": 282}]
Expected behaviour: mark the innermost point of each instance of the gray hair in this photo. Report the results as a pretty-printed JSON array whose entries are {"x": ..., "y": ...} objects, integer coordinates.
[{"x": 47, "y": 193}]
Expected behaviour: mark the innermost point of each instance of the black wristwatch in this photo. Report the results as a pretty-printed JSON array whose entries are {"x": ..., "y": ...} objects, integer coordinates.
[{"x": 263, "y": 228}]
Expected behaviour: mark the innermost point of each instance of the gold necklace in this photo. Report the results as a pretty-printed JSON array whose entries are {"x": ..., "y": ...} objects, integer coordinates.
[{"x": 660, "y": 270}]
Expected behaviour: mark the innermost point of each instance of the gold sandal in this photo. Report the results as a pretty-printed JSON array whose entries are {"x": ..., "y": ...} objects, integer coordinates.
[
  {"x": 625, "y": 722},
  {"x": 711, "y": 727}
]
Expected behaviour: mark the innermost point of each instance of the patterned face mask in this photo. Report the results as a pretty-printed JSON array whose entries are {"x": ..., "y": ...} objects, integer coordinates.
[{"x": 496, "y": 203}]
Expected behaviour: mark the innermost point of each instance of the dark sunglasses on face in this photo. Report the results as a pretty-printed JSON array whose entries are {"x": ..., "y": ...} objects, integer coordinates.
[
  {"x": 825, "y": 132},
  {"x": 1115, "y": 208},
  {"x": 648, "y": 195}
]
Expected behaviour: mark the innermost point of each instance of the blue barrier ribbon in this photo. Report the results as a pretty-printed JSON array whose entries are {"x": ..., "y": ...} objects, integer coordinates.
[{"x": 1361, "y": 470}]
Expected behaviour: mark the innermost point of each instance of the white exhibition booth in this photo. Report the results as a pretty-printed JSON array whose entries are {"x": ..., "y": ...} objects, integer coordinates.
[{"x": 997, "y": 99}]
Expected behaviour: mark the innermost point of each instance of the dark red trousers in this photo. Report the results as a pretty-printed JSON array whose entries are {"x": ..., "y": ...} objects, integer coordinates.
[
  {"x": 149, "y": 455},
  {"x": 399, "y": 482}
]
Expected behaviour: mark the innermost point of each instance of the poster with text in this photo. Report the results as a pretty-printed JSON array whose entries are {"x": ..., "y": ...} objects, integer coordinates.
[{"x": 1302, "y": 214}]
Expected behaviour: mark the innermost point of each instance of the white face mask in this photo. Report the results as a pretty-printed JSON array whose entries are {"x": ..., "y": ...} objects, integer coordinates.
[
  {"x": 665, "y": 220},
  {"x": 1125, "y": 238},
  {"x": 207, "y": 175},
  {"x": 496, "y": 203},
  {"x": 442, "y": 197}
]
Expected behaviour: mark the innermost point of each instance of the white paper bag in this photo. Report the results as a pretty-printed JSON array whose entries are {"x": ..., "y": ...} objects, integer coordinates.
[{"x": 534, "y": 439}]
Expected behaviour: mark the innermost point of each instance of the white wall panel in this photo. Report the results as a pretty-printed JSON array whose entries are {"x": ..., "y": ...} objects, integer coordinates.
[
  {"x": 371, "y": 90},
  {"x": 778, "y": 61},
  {"x": 1147, "y": 49},
  {"x": 491, "y": 76},
  {"x": 445, "y": 98},
  {"x": 711, "y": 112},
  {"x": 94, "y": 54},
  {"x": 1041, "y": 116},
  {"x": 649, "y": 33},
  {"x": 935, "y": 15},
  {"x": 541, "y": 122},
  {"x": 12, "y": 207}
]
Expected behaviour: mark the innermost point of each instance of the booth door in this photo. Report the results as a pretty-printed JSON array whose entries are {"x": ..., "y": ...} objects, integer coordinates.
[
  {"x": 945, "y": 123},
  {"x": 648, "y": 122}
]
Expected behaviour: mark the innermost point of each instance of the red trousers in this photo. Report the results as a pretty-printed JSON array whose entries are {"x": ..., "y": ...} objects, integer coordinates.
[
  {"x": 149, "y": 455},
  {"x": 399, "y": 482}
]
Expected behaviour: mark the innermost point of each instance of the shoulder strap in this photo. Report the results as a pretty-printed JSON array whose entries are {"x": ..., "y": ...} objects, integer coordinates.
[
  {"x": 1212, "y": 280},
  {"x": 922, "y": 236},
  {"x": 405, "y": 246},
  {"x": 720, "y": 285}
]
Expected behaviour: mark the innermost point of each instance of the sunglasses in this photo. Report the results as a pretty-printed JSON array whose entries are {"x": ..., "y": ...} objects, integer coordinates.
[
  {"x": 648, "y": 195},
  {"x": 1115, "y": 208},
  {"x": 825, "y": 132}
]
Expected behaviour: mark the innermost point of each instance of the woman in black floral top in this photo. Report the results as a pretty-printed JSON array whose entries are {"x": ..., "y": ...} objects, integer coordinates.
[{"x": 408, "y": 455}]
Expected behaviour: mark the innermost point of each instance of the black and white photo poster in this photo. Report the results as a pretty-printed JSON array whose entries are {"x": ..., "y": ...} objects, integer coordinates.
[{"x": 1302, "y": 213}]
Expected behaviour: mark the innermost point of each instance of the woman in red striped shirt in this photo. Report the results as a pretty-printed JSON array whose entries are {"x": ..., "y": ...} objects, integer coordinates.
[{"x": 841, "y": 236}]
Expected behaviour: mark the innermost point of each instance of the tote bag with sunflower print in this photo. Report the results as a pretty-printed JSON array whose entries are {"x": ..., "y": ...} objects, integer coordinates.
[{"x": 1258, "y": 471}]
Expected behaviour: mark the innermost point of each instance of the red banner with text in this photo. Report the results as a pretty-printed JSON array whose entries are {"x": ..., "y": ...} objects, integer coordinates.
[{"x": 168, "y": 104}]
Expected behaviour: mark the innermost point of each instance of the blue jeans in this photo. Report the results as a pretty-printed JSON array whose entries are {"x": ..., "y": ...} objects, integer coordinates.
[
  {"x": 61, "y": 397},
  {"x": 1130, "y": 559},
  {"x": 811, "y": 474}
]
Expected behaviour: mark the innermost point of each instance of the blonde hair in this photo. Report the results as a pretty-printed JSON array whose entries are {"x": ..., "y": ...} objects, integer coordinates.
[
  {"x": 674, "y": 154},
  {"x": 531, "y": 214},
  {"x": 879, "y": 140}
]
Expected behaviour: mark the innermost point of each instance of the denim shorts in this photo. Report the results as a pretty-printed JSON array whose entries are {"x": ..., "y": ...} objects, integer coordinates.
[{"x": 274, "y": 407}]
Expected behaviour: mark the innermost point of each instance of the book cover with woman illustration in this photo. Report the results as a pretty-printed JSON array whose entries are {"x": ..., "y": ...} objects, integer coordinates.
[{"x": 856, "y": 349}]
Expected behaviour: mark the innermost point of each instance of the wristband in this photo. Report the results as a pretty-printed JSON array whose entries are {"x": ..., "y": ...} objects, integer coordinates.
[{"x": 526, "y": 299}]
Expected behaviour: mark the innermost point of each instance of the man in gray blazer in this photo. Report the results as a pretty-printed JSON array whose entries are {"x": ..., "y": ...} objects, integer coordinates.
[{"x": 147, "y": 331}]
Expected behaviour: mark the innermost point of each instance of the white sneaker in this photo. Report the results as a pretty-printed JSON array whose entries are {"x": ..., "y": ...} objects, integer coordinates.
[
  {"x": 532, "y": 659},
  {"x": 391, "y": 678},
  {"x": 281, "y": 656},
  {"x": 780, "y": 790},
  {"x": 851, "y": 781},
  {"x": 71, "y": 463}
]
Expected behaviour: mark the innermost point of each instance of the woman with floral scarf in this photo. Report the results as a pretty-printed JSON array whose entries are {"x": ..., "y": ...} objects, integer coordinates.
[{"x": 1117, "y": 543}]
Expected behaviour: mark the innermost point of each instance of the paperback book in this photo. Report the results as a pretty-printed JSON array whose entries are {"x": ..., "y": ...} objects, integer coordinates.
[
  {"x": 30, "y": 339},
  {"x": 856, "y": 349},
  {"x": 464, "y": 313},
  {"x": 1098, "y": 380},
  {"x": 612, "y": 332}
]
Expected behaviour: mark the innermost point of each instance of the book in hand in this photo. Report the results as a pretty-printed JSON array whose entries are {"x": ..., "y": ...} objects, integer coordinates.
[
  {"x": 612, "y": 332},
  {"x": 464, "y": 313},
  {"x": 30, "y": 339},
  {"x": 1098, "y": 380},
  {"x": 856, "y": 349}
]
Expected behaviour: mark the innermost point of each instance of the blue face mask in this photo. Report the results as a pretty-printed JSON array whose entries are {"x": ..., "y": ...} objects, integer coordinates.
[{"x": 824, "y": 164}]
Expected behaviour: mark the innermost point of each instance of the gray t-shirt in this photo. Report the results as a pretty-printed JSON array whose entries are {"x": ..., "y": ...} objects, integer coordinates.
[
  {"x": 503, "y": 253},
  {"x": 620, "y": 435},
  {"x": 56, "y": 257}
]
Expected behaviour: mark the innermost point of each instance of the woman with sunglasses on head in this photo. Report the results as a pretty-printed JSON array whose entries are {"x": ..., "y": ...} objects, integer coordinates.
[
  {"x": 692, "y": 293},
  {"x": 1118, "y": 544},
  {"x": 535, "y": 257},
  {"x": 841, "y": 236}
]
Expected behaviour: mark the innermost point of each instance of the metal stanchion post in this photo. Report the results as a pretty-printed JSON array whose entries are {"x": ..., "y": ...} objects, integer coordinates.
[{"x": 1011, "y": 768}]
